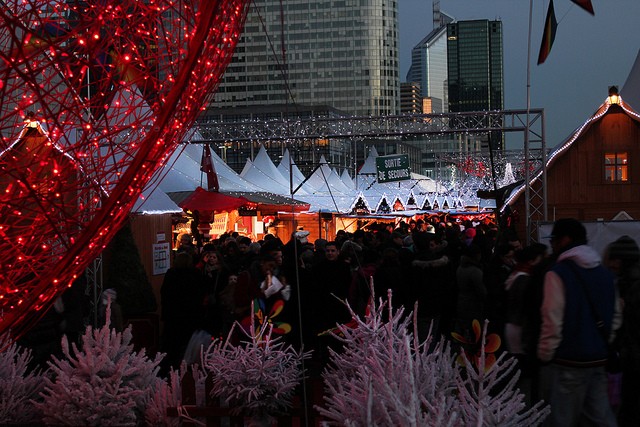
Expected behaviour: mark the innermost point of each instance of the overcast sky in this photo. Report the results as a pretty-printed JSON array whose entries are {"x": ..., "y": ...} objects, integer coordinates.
[{"x": 590, "y": 53}]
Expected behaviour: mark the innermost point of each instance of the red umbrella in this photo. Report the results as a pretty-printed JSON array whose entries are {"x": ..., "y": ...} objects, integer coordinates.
[{"x": 203, "y": 200}]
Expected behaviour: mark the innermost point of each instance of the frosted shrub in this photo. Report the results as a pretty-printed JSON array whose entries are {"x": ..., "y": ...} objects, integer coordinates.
[
  {"x": 384, "y": 376},
  {"x": 257, "y": 377},
  {"x": 103, "y": 383},
  {"x": 17, "y": 386}
]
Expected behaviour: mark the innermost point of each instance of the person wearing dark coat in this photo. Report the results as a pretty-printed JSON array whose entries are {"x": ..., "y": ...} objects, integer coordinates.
[
  {"x": 622, "y": 257},
  {"x": 182, "y": 309},
  {"x": 472, "y": 292},
  {"x": 332, "y": 279},
  {"x": 432, "y": 287},
  {"x": 217, "y": 316}
]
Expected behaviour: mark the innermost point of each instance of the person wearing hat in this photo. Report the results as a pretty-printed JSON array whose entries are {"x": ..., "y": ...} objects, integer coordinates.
[{"x": 578, "y": 310}]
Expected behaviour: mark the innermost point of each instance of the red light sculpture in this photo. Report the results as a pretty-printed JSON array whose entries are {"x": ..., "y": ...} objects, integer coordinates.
[{"x": 94, "y": 96}]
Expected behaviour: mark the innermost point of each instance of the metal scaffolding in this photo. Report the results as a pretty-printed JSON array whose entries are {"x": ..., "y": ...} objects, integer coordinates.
[{"x": 530, "y": 123}]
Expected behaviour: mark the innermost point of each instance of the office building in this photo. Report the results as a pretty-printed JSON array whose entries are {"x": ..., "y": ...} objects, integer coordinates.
[
  {"x": 411, "y": 101},
  {"x": 343, "y": 54},
  {"x": 475, "y": 68},
  {"x": 429, "y": 63}
]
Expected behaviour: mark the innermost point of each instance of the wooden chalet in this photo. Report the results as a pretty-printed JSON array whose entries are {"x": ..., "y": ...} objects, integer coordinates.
[{"x": 594, "y": 175}]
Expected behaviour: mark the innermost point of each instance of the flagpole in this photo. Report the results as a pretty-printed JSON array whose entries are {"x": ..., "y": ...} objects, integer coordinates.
[
  {"x": 201, "y": 171},
  {"x": 527, "y": 195}
]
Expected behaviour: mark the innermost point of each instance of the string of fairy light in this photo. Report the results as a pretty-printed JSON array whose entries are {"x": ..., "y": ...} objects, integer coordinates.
[{"x": 112, "y": 89}]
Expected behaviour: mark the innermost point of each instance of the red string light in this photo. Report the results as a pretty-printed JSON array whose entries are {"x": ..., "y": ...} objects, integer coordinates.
[{"x": 93, "y": 96}]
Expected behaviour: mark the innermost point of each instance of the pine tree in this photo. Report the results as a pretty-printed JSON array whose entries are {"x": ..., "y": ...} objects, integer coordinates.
[
  {"x": 167, "y": 394},
  {"x": 384, "y": 376},
  {"x": 257, "y": 377},
  {"x": 18, "y": 387},
  {"x": 103, "y": 383}
]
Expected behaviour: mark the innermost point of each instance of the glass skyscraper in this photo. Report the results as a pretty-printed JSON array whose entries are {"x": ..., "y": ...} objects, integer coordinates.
[
  {"x": 429, "y": 63},
  {"x": 339, "y": 53},
  {"x": 475, "y": 69}
]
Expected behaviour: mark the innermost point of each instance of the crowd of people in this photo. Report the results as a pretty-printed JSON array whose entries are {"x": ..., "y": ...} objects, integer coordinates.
[{"x": 559, "y": 312}]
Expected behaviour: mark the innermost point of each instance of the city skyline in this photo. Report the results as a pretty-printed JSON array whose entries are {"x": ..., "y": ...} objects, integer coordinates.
[{"x": 590, "y": 53}]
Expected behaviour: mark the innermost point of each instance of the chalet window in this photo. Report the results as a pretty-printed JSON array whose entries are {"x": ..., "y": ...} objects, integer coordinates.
[{"x": 616, "y": 167}]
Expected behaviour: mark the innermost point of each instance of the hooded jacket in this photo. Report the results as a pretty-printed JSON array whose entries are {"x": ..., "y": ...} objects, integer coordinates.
[{"x": 569, "y": 332}]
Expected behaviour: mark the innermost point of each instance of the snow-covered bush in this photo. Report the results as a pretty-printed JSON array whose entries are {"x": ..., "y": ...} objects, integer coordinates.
[
  {"x": 18, "y": 386},
  {"x": 168, "y": 394},
  {"x": 257, "y": 377},
  {"x": 103, "y": 383},
  {"x": 384, "y": 376}
]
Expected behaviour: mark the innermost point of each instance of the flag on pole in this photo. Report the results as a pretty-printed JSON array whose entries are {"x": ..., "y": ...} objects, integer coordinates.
[
  {"x": 585, "y": 4},
  {"x": 206, "y": 166},
  {"x": 549, "y": 34}
]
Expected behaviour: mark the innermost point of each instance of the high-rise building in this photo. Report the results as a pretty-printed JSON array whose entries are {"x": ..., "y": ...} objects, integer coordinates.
[
  {"x": 343, "y": 54},
  {"x": 475, "y": 68},
  {"x": 475, "y": 65},
  {"x": 429, "y": 62},
  {"x": 411, "y": 101}
]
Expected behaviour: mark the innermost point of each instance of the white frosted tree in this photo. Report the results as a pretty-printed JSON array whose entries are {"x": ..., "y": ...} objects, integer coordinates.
[
  {"x": 167, "y": 394},
  {"x": 18, "y": 385},
  {"x": 384, "y": 376},
  {"x": 102, "y": 383},
  {"x": 257, "y": 377}
]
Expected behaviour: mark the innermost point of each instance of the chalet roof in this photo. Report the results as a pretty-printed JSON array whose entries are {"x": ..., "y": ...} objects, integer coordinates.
[{"x": 564, "y": 146}]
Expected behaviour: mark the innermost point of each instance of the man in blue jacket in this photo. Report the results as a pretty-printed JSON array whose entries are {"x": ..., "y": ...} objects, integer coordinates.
[{"x": 580, "y": 311}]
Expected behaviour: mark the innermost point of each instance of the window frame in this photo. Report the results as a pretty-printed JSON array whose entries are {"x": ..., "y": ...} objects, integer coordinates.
[{"x": 620, "y": 163}]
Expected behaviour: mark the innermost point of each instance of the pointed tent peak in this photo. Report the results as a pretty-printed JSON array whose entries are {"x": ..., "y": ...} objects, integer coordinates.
[
  {"x": 369, "y": 165},
  {"x": 262, "y": 151},
  {"x": 336, "y": 182},
  {"x": 246, "y": 168},
  {"x": 346, "y": 178},
  {"x": 285, "y": 158},
  {"x": 323, "y": 160},
  {"x": 298, "y": 177}
]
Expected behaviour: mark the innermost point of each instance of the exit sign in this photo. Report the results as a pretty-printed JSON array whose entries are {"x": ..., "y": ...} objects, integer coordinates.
[{"x": 393, "y": 168}]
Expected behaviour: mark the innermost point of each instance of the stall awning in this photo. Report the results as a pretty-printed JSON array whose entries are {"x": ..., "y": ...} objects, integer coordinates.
[
  {"x": 269, "y": 203},
  {"x": 207, "y": 201}
]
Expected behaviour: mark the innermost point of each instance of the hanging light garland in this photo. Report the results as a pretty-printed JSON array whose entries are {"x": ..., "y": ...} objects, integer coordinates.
[{"x": 94, "y": 96}]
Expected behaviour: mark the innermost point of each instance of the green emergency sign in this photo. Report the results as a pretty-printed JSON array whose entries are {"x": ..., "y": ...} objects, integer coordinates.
[{"x": 393, "y": 168}]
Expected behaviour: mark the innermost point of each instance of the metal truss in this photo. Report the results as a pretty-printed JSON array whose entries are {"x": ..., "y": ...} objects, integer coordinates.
[
  {"x": 529, "y": 122},
  {"x": 370, "y": 127}
]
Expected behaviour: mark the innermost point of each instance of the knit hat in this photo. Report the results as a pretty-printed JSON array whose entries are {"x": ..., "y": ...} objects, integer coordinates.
[
  {"x": 625, "y": 249},
  {"x": 302, "y": 236}
]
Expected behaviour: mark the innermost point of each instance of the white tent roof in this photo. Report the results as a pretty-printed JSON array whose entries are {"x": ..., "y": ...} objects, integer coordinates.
[
  {"x": 346, "y": 179},
  {"x": 182, "y": 172},
  {"x": 264, "y": 174},
  {"x": 631, "y": 89},
  {"x": 155, "y": 202},
  {"x": 326, "y": 181},
  {"x": 374, "y": 192},
  {"x": 298, "y": 177}
]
